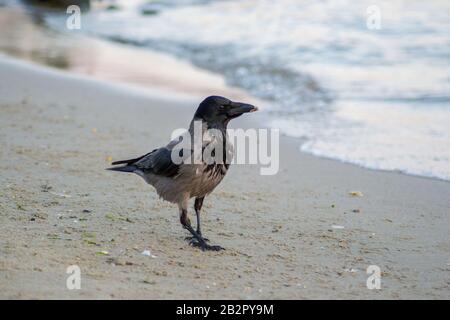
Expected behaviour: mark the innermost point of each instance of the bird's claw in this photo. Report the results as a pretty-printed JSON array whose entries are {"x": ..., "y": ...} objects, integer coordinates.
[
  {"x": 190, "y": 239},
  {"x": 204, "y": 246}
]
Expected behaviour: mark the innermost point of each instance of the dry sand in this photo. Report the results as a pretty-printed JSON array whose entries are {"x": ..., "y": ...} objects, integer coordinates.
[{"x": 59, "y": 207}]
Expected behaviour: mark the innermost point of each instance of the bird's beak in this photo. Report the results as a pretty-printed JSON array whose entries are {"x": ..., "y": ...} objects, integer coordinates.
[{"x": 238, "y": 108}]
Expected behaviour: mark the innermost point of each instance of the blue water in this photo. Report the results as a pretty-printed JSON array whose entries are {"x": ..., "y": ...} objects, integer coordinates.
[{"x": 379, "y": 98}]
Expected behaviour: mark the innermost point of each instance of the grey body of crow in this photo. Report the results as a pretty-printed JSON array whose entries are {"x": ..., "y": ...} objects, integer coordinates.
[{"x": 179, "y": 183}]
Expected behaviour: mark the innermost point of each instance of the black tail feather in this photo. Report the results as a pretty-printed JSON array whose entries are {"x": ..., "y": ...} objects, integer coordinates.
[
  {"x": 131, "y": 161},
  {"x": 123, "y": 169}
]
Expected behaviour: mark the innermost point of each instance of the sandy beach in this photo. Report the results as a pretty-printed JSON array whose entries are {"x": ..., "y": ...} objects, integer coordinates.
[
  {"x": 299, "y": 234},
  {"x": 71, "y": 104}
]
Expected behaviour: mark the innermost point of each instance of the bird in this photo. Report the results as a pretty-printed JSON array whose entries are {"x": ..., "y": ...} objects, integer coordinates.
[{"x": 193, "y": 177}]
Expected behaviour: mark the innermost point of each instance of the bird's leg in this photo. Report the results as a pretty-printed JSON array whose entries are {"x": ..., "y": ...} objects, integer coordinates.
[
  {"x": 195, "y": 235},
  {"x": 201, "y": 243},
  {"x": 198, "y": 207}
]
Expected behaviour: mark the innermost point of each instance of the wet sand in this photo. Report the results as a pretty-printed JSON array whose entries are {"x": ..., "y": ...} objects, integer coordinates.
[{"x": 298, "y": 234}]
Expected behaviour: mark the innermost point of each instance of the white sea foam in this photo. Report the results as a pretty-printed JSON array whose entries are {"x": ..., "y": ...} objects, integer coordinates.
[{"x": 378, "y": 98}]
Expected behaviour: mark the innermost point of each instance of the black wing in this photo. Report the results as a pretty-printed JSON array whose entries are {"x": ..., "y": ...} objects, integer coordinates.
[{"x": 158, "y": 162}]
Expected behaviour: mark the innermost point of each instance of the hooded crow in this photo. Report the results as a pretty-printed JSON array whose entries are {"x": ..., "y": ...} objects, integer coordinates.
[{"x": 197, "y": 173}]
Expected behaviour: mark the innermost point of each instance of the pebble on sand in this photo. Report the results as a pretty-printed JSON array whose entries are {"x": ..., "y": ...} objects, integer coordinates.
[{"x": 148, "y": 253}]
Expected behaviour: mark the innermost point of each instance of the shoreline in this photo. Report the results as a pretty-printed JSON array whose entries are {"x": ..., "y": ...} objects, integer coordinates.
[
  {"x": 132, "y": 67},
  {"x": 60, "y": 207}
]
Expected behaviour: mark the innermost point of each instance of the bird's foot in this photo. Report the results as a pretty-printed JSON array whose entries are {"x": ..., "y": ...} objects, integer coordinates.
[
  {"x": 191, "y": 239},
  {"x": 204, "y": 246}
]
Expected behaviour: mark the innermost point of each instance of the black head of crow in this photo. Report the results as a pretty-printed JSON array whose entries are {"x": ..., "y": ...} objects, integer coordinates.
[
  {"x": 179, "y": 182},
  {"x": 220, "y": 110}
]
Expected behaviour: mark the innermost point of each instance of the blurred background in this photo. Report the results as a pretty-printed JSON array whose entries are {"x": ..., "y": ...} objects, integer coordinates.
[{"x": 365, "y": 82}]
